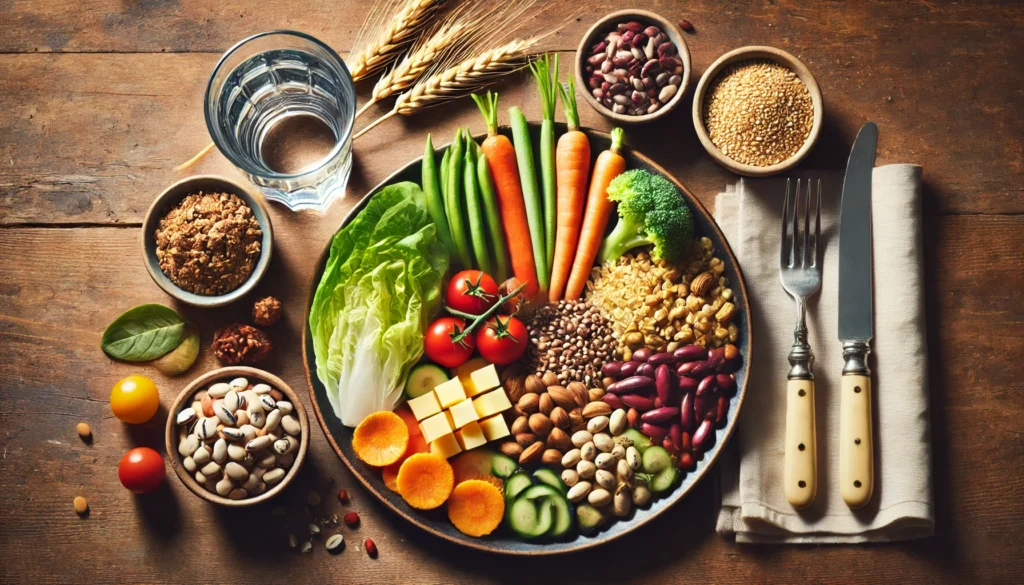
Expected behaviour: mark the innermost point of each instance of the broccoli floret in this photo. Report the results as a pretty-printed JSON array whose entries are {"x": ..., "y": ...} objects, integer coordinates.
[{"x": 651, "y": 211}]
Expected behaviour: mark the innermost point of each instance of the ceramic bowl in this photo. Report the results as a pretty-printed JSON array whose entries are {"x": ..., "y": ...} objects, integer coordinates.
[
  {"x": 596, "y": 34},
  {"x": 184, "y": 399},
  {"x": 746, "y": 54},
  {"x": 168, "y": 199}
]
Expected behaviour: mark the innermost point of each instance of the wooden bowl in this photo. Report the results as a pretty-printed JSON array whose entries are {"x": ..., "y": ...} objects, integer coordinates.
[
  {"x": 185, "y": 398},
  {"x": 746, "y": 54},
  {"x": 174, "y": 194},
  {"x": 597, "y": 32}
]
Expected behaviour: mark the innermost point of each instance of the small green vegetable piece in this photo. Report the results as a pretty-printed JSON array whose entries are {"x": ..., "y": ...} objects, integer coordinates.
[
  {"x": 181, "y": 358},
  {"x": 434, "y": 198},
  {"x": 545, "y": 70},
  {"x": 528, "y": 182},
  {"x": 453, "y": 202},
  {"x": 476, "y": 224},
  {"x": 651, "y": 211},
  {"x": 143, "y": 334},
  {"x": 493, "y": 216}
]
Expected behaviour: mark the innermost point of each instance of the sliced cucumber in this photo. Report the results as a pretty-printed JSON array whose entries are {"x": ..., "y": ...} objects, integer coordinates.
[
  {"x": 562, "y": 523},
  {"x": 516, "y": 484},
  {"x": 546, "y": 476},
  {"x": 424, "y": 378},
  {"x": 664, "y": 480},
  {"x": 655, "y": 459},
  {"x": 531, "y": 518},
  {"x": 589, "y": 518},
  {"x": 503, "y": 466},
  {"x": 640, "y": 440}
]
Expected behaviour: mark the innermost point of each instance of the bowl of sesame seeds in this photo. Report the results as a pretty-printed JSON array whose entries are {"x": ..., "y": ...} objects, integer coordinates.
[{"x": 757, "y": 111}]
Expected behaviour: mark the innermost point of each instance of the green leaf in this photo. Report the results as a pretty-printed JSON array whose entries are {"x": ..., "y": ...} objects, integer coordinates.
[
  {"x": 181, "y": 358},
  {"x": 144, "y": 333}
]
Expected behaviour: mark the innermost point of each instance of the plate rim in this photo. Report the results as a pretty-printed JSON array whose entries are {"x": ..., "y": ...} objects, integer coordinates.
[{"x": 421, "y": 523}]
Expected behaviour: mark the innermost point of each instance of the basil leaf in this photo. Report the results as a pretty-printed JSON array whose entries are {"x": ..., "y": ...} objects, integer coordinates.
[{"x": 144, "y": 333}]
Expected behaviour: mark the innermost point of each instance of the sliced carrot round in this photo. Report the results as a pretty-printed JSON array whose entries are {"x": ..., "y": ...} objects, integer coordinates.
[
  {"x": 476, "y": 507},
  {"x": 417, "y": 444},
  {"x": 410, "y": 420},
  {"x": 381, "y": 438},
  {"x": 425, "y": 480}
]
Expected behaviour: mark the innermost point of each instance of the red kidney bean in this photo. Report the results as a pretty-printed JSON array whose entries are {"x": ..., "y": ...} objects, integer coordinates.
[
  {"x": 645, "y": 370},
  {"x": 656, "y": 433},
  {"x": 642, "y": 354},
  {"x": 686, "y": 441},
  {"x": 627, "y": 369},
  {"x": 687, "y": 384},
  {"x": 726, "y": 383},
  {"x": 665, "y": 382},
  {"x": 687, "y": 417},
  {"x": 661, "y": 358},
  {"x": 686, "y": 460},
  {"x": 667, "y": 444},
  {"x": 723, "y": 410},
  {"x": 675, "y": 432},
  {"x": 626, "y": 37},
  {"x": 634, "y": 27},
  {"x": 716, "y": 357},
  {"x": 690, "y": 353},
  {"x": 658, "y": 403},
  {"x": 633, "y": 417},
  {"x": 730, "y": 366},
  {"x": 704, "y": 438},
  {"x": 638, "y": 402},
  {"x": 638, "y": 41},
  {"x": 661, "y": 415},
  {"x": 596, "y": 60},
  {"x": 685, "y": 368},
  {"x": 599, "y": 48},
  {"x": 611, "y": 369},
  {"x": 700, "y": 369},
  {"x": 699, "y": 408},
  {"x": 612, "y": 400},
  {"x": 708, "y": 384},
  {"x": 632, "y": 384}
]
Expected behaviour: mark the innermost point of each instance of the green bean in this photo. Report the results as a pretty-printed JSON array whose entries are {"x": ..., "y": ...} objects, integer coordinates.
[
  {"x": 453, "y": 203},
  {"x": 493, "y": 217},
  {"x": 476, "y": 224},
  {"x": 434, "y": 198},
  {"x": 528, "y": 182}
]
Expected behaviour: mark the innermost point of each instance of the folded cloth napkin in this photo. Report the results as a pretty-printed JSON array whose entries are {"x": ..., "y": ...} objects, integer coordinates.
[{"x": 754, "y": 506}]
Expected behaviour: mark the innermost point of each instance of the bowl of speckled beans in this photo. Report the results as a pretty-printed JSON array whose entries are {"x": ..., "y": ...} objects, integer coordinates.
[{"x": 757, "y": 111}]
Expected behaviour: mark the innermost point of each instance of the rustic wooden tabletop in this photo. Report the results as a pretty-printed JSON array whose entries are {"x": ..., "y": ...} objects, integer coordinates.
[{"x": 100, "y": 100}]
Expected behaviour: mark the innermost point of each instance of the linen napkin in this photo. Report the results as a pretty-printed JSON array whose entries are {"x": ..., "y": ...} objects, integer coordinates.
[{"x": 754, "y": 506}]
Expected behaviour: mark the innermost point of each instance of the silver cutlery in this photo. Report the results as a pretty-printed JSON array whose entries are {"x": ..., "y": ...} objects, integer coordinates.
[
  {"x": 800, "y": 272},
  {"x": 856, "y": 463}
]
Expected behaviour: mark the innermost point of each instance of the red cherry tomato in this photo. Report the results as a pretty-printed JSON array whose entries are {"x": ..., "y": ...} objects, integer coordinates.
[
  {"x": 511, "y": 306},
  {"x": 437, "y": 343},
  {"x": 141, "y": 470},
  {"x": 471, "y": 291},
  {"x": 502, "y": 340}
]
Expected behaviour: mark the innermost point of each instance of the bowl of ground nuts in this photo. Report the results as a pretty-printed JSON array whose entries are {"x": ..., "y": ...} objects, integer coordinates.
[
  {"x": 237, "y": 436},
  {"x": 633, "y": 66},
  {"x": 757, "y": 111}
]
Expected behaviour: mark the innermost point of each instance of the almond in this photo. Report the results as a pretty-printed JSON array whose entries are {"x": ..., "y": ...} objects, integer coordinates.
[
  {"x": 576, "y": 420},
  {"x": 526, "y": 439},
  {"x": 512, "y": 449},
  {"x": 596, "y": 409},
  {"x": 550, "y": 379},
  {"x": 562, "y": 397},
  {"x": 520, "y": 425},
  {"x": 545, "y": 403},
  {"x": 540, "y": 424},
  {"x": 531, "y": 453},
  {"x": 559, "y": 417},
  {"x": 528, "y": 403},
  {"x": 551, "y": 457},
  {"x": 559, "y": 439},
  {"x": 579, "y": 393},
  {"x": 534, "y": 385},
  {"x": 515, "y": 388},
  {"x": 596, "y": 394}
]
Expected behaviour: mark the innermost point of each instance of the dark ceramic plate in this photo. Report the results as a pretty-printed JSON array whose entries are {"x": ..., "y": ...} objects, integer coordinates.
[{"x": 503, "y": 542}]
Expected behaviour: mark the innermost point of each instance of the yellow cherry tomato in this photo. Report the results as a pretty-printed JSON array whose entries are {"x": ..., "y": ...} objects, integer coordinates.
[{"x": 134, "y": 399}]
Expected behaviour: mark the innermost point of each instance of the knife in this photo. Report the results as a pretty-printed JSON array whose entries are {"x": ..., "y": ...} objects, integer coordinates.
[{"x": 856, "y": 464}]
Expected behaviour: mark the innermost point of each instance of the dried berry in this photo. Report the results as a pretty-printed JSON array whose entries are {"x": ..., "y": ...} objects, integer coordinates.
[
  {"x": 267, "y": 311},
  {"x": 240, "y": 344},
  {"x": 352, "y": 518},
  {"x": 685, "y": 25},
  {"x": 371, "y": 548},
  {"x": 343, "y": 496}
]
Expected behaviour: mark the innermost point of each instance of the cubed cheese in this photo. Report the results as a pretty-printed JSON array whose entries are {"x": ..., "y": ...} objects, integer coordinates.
[
  {"x": 424, "y": 406},
  {"x": 465, "y": 371},
  {"x": 491, "y": 403},
  {"x": 485, "y": 379},
  {"x": 435, "y": 427},
  {"x": 451, "y": 419},
  {"x": 450, "y": 392},
  {"x": 446, "y": 446},
  {"x": 471, "y": 436},
  {"x": 463, "y": 413},
  {"x": 494, "y": 427}
]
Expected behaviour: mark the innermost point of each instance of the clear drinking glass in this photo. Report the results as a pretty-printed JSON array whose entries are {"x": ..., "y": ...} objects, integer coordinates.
[{"x": 280, "y": 105}]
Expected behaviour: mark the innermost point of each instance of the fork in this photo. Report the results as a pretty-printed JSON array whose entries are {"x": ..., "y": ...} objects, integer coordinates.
[{"x": 800, "y": 272}]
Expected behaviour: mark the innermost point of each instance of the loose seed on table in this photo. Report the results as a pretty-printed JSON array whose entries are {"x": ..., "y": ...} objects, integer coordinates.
[
  {"x": 83, "y": 430},
  {"x": 334, "y": 541},
  {"x": 343, "y": 496},
  {"x": 81, "y": 505},
  {"x": 352, "y": 518},
  {"x": 371, "y": 548},
  {"x": 313, "y": 529},
  {"x": 307, "y": 547}
]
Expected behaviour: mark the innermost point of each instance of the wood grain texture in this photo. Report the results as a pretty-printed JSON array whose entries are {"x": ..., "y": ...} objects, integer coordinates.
[{"x": 90, "y": 130}]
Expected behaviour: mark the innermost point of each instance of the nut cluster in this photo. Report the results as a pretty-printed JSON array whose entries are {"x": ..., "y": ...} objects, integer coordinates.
[
  {"x": 663, "y": 306},
  {"x": 758, "y": 112},
  {"x": 240, "y": 344},
  {"x": 571, "y": 339},
  {"x": 267, "y": 311}
]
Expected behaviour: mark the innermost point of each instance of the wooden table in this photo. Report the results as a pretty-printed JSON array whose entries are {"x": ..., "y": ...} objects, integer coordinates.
[{"x": 100, "y": 99}]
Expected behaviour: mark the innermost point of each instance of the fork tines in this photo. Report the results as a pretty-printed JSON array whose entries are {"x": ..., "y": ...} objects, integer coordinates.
[{"x": 790, "y": 233}]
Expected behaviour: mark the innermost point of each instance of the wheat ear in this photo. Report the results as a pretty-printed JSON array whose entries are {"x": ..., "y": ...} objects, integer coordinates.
[{"x": 395, "y": 36}]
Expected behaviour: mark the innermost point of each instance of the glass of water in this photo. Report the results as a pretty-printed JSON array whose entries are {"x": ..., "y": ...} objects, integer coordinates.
[{"x": 280, "y": 105}]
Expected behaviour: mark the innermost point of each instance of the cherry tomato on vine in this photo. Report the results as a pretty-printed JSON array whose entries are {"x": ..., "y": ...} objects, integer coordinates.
[
  {"x": 438, "y": 345},
  {"x": 141, "y": 470},
  {"x": 471, "y": 291},
  {"x": 502, "y": 340},
  {"x": 134, "y": 399}
]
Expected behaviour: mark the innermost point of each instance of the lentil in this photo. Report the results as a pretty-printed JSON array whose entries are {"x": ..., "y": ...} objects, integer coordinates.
[
  {"x": 758, "y": 112},
  {"x": 81, "y": 505},
  {"x": 84, "y": 431},
  {"x": 570, "y": 342}
]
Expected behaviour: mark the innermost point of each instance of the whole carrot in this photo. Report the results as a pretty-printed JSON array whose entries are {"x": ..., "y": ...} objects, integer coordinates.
[
  {"x": 572, "y": 165},
  {"x": 501, "y": 160},
  {"x": 609, "y": 165}
]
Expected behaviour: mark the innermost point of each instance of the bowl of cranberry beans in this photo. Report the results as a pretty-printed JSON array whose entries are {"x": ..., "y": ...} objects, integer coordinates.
[{"x": 633, "y": 66}]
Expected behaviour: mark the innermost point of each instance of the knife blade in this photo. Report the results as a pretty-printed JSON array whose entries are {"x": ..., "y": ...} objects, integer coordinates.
[{"x": 856, "y": 461}]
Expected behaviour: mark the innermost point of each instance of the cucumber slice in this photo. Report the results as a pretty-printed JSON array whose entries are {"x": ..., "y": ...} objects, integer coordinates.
[
  {"x": 424, "y": 378},
  {"x": 531, "y": 518},
  {"x": 562, "y": 523},
  {"x": 546, "y": 476},
  {"x": 589, "y": 518},
  {"x": 664, "y": 480},
  {"x": 656, "y": 459},
  {"x": 503, "y": 466},
  {"x": 516, "y": 484},
  {"x": 640, "y": 440}
]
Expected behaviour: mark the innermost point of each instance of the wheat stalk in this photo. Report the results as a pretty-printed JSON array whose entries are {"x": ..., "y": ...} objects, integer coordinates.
[
  {"x": 392, "y": 37},
  {"x": 458, "y": 80}
]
